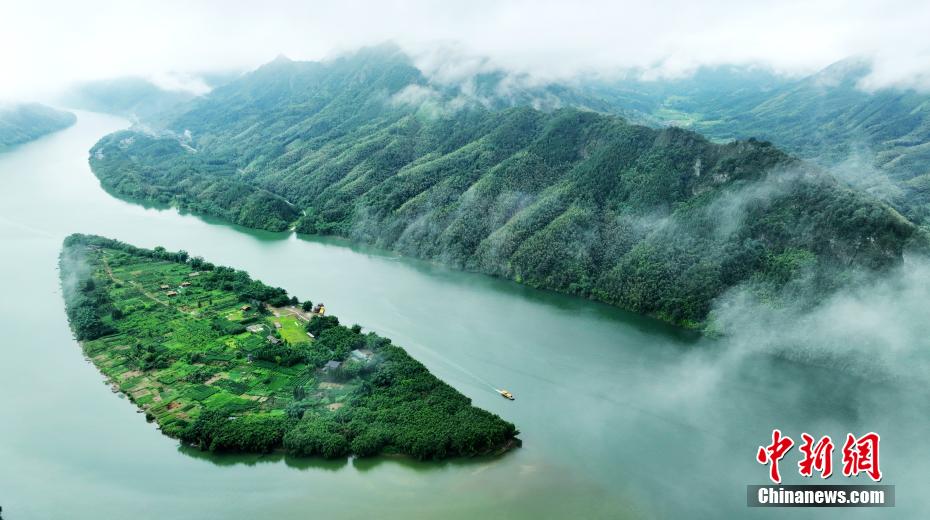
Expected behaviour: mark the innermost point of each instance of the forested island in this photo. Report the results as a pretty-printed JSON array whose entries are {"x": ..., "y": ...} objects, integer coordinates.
[
  {"x": 24, "y": 122},
  {"x": 658, "y": 221},
  {"x": 227, "y": 363}
]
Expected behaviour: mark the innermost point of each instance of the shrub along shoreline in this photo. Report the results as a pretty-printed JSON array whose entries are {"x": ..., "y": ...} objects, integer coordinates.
[{"x": 199, "y": 349}]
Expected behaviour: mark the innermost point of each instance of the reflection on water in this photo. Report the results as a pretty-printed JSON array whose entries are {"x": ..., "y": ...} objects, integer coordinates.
[
  {"x": 360, "y": 464},
  {"x": 235, "y": 459},
  {"x": 566, "y": 305}
]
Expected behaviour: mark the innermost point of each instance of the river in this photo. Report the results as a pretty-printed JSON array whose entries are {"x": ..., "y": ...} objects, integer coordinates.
[{"x": 620, "y": 416}]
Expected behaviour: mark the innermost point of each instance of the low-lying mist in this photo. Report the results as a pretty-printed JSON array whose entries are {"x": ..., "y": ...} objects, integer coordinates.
[
  {"x": 878, "y": 327},
  {"x": 855, "y": 362}
]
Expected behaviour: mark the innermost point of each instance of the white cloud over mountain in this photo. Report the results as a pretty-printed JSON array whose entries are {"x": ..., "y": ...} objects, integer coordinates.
[{"x": 47, "y": 43}]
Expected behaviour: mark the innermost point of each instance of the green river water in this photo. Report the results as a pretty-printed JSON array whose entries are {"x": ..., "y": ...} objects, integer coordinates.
[{"x": 621, "y": 416}]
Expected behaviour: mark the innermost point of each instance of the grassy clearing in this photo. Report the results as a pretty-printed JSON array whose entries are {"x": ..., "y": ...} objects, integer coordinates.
[{"x": 292, "y": 329}]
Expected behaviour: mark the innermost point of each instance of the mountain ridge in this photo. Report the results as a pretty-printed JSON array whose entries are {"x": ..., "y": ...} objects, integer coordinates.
[
  {"x": 565, "y": 199},
  {"x": 24, "y": 122},
  {"x": 833, "y": 117}
]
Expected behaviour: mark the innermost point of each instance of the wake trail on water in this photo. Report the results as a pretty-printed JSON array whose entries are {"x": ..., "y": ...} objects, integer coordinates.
[
  {"x": 26, "y": 227},
  {"x": 461, "y": 369}
]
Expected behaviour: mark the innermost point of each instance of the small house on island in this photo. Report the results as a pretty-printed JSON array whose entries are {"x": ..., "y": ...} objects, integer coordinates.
[
  {"x": 273, "y": 340},
  {"x": 258, "y": 327},
  {"x": 164, "y": 287},
  {"x": 171, "y": 293},
  {"x": 245, "y": 308},
  {"x": 185, "y": 284},
  {"x": 331, "y": 365}
]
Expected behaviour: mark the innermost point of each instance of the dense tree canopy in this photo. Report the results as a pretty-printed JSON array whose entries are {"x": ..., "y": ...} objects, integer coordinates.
[
  {"x": 657, "y": 221},
  {"x": 223, "y": 376},
  {"x": 876, "y": 138}
]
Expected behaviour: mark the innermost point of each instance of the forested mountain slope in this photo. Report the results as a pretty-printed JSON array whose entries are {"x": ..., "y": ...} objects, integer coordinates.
[
  {"x": 656, "y": 221},
  {"x": 829, "y": 117},
  {"x": 21, "y": 123}
]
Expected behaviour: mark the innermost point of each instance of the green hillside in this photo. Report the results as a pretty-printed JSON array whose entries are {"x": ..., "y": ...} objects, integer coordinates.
[
  {"x": 21, "y": 123},
  {"x": 828, "y": 117},
  {"x": 659, "y": 221}
]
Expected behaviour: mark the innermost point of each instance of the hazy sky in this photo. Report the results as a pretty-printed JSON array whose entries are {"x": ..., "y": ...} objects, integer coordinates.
[{"x": 46, "y": 43}]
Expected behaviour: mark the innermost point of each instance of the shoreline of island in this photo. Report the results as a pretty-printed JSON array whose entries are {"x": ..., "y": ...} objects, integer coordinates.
[{"x": 209, "y": 355}]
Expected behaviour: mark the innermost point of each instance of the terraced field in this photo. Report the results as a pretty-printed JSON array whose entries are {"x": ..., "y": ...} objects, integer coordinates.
[
  {"x": 222, "y": 374},
  {"x": 225, "y": 362}
]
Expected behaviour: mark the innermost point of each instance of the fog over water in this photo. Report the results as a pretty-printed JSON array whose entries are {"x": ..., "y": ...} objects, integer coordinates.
[{"x": 621, "y": 416}]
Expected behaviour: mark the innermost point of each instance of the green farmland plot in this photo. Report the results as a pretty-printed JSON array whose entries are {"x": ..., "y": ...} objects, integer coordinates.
[
  {"x": 224, "y": 362},
  {"x": 292, "y": 329}
]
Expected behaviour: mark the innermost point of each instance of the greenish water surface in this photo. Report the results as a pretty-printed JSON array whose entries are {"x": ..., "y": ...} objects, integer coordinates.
[{"x": 621, "y": 416}]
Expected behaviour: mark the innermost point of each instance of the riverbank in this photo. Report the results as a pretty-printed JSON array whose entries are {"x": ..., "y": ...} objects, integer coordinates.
[{"x": 609, "y": 403}]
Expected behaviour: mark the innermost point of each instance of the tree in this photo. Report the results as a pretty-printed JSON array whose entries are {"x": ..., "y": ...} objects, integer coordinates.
[
  {"x": 318, "y": 324},
  {"x": 393, "y": 401},
  {"x": 315, "y": 435}
]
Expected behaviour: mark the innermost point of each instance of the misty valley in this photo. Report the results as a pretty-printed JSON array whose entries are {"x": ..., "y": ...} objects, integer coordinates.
[
  {"x": 660, "y": 222},
  {"x": 588, "y": 295}
]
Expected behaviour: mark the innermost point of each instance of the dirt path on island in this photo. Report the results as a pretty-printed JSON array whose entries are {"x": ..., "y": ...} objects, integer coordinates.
[{"x": 293, "y": 311}]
